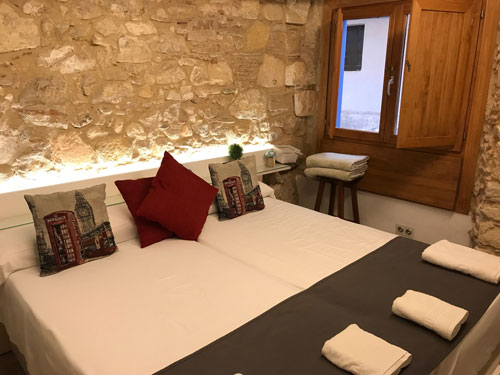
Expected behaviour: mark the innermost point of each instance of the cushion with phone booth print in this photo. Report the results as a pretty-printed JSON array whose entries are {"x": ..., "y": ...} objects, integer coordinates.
[
  {"x": 71, "y": 227},
  {"x": 238, "y": 187}
]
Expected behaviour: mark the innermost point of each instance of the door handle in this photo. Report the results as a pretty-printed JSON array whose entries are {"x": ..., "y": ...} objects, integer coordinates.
[{"x": 389, "y": 85}]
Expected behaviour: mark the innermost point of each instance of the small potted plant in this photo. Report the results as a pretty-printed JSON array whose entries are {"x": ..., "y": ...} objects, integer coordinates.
[{"x": 235, "y": 151}]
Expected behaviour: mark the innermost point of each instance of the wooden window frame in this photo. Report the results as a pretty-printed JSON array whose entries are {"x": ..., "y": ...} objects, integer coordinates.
[
  {"x": 387, "y": 113},
  {"x": 465, "y": 152}
]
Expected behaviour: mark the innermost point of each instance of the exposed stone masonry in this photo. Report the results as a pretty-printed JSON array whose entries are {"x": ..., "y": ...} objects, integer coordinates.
[
  {"x": 486, "y": 202},
  {"x": 83, "y": 81}
]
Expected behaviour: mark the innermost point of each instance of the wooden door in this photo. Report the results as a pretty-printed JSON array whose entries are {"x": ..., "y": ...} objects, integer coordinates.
[{"x": 438, "y": 72}]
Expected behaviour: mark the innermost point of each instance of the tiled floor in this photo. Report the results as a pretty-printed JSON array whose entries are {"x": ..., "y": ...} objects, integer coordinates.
[{"x": 9, "y": 365}]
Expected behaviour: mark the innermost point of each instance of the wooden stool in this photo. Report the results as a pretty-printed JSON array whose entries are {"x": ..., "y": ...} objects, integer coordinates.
[{"x": 333, "y": 186}]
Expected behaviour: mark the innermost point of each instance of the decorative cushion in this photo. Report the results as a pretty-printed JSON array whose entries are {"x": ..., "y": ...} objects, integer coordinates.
[
  {"x": 134, "y": 192},
  {"x": 178, "y": 200},
  {"x": 71, "y": 227},
  {"x": 238, "y": 187}
]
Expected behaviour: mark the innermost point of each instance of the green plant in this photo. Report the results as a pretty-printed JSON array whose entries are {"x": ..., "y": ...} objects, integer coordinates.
[{"x": 235, "y": 151}]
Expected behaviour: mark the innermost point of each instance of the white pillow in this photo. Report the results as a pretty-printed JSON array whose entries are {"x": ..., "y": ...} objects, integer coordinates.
[
  {"x": 266, "y": 191},
  {"x": 122, "y": 223},
  {"x": 18, "y": 250}
]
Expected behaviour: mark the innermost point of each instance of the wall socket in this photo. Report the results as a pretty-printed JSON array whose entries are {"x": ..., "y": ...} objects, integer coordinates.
[{"x": 404, "y": 231}]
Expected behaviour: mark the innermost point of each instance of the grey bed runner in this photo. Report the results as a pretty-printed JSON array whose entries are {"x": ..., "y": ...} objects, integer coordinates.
[{"x": 288, "y": 338}]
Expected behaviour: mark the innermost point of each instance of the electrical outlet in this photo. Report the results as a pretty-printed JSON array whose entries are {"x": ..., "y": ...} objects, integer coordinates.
[{"x": 404, "y": 231}]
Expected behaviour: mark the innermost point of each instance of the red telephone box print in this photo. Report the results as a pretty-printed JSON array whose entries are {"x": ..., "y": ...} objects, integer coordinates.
[
  {"x": 235, "y": 196},
  {"x": 65, "y": 238}
]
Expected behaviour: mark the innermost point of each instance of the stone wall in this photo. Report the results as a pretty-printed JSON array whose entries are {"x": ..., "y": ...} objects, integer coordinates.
[
  {"x": 486, "y": 201},
  {"x": 86, "y": 81}
]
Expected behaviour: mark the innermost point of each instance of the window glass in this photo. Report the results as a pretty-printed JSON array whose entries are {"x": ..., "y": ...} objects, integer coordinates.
[{"x": 361, "y": 90}]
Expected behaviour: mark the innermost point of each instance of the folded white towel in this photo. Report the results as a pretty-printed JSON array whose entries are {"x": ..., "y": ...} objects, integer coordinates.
[
  {"x": 431, "y": 312},
  {"x": 464, "y": 259},
  {"x": 333, "y": 160},
  {"x": 360, "y": 352},
  {"x": 335, "y": 173}
]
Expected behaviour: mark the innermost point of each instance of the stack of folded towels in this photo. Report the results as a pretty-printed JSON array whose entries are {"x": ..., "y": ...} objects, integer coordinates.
[
  {"x": 340, "y": 166},
  {"x": 360, "y": 352}
]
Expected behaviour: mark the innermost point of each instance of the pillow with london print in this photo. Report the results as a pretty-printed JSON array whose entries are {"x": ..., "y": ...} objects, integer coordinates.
[
  {"x": 72, "y": 227},
  {"x": 239, "y": 190}
]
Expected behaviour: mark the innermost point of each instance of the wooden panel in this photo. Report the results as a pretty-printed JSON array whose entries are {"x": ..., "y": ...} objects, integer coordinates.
[
  {"x": 335, "y": 56},
  {"x": 437, "y": 74},
  {"x": 321, "y": 125},
  {"x": 355, "y": 3},
  {"x": 488, "y": 35},
  {"x": 412, "y": 175}
]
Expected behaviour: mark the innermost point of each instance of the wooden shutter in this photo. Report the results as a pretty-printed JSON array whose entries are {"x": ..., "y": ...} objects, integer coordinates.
[
  {"x": 437, "y": 73},
  {"x": 335, "y": 55}
]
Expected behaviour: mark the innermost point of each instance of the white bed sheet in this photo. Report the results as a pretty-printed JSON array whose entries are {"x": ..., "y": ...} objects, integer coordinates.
[
  {"x": 302, "y": 247},
  {"x": 295, "y": 244},
  {"x": 134, "y": 312}
]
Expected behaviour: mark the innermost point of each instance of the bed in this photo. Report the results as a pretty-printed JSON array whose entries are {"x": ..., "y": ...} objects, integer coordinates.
[
  {"x": 133, "y": 312},
  {"x": 141, "y": 310},
  {"x": 280, "y": 249}
]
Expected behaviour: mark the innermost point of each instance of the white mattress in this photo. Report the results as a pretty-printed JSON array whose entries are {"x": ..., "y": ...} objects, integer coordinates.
[
  {"x": 134, "y": 312},
  {"x": 295, "y": 244}
]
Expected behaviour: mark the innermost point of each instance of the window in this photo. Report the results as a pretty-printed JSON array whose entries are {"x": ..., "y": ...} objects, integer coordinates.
[
  {"x": 354, "y": 48},
  {"x": 360, "y": 89},
  {"x": 401, "y": 79}
]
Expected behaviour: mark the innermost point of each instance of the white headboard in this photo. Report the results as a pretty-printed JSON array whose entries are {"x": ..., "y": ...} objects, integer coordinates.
[{"x": 14, "y": 210}]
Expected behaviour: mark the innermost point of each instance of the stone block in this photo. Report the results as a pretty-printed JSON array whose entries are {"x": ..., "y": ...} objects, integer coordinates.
[
  {"x": 17, "y": 32},
  {"x": 273, "y": 12},
  {"x": 249, "y": 105},
  {"x": 70, "y": 148},
  {"x": 133, "y": 50},
  {"x": 257, "y": 36},
  {"x": 297, "y": 11},
  {"x": 305, "y": 103},
  {"x": 272, "y": 72}
]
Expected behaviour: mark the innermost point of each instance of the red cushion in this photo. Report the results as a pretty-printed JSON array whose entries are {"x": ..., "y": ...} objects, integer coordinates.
[
  {"x": 178, "y": 199},
  {"x": 134, "y": 192}
]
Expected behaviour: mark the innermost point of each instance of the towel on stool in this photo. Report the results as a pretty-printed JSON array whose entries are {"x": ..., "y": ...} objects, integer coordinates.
[
  {"x": 360, "y": 352},
  {"x": 333, "y": 160},
  {"x": 464, "y": 259},
  {"x": 335, "y": 173},
  {"x": 431, "y": 312}
]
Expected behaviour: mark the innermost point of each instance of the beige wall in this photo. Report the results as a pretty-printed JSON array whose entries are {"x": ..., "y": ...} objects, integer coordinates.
[
  {"x": 486, "y": 203},
  {"x": 84, "y": 81}
]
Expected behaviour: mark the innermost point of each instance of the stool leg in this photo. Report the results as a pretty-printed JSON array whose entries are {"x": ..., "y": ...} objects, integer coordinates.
[
  {"x": 331, "y": 206},
  {"x": 319, "y": 197},
  {"x": 341, "y": 201},
  {"x": 354, "y": 197}
]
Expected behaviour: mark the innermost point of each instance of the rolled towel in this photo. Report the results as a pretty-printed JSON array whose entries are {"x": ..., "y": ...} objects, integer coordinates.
[
  {"x": 360, "y": 352},
  {"x": 431, "y": 312},
  {"x": 335, "y": 173},
  {"x": 464, "y": 259},
  {"x": 333, "y": 160}
]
